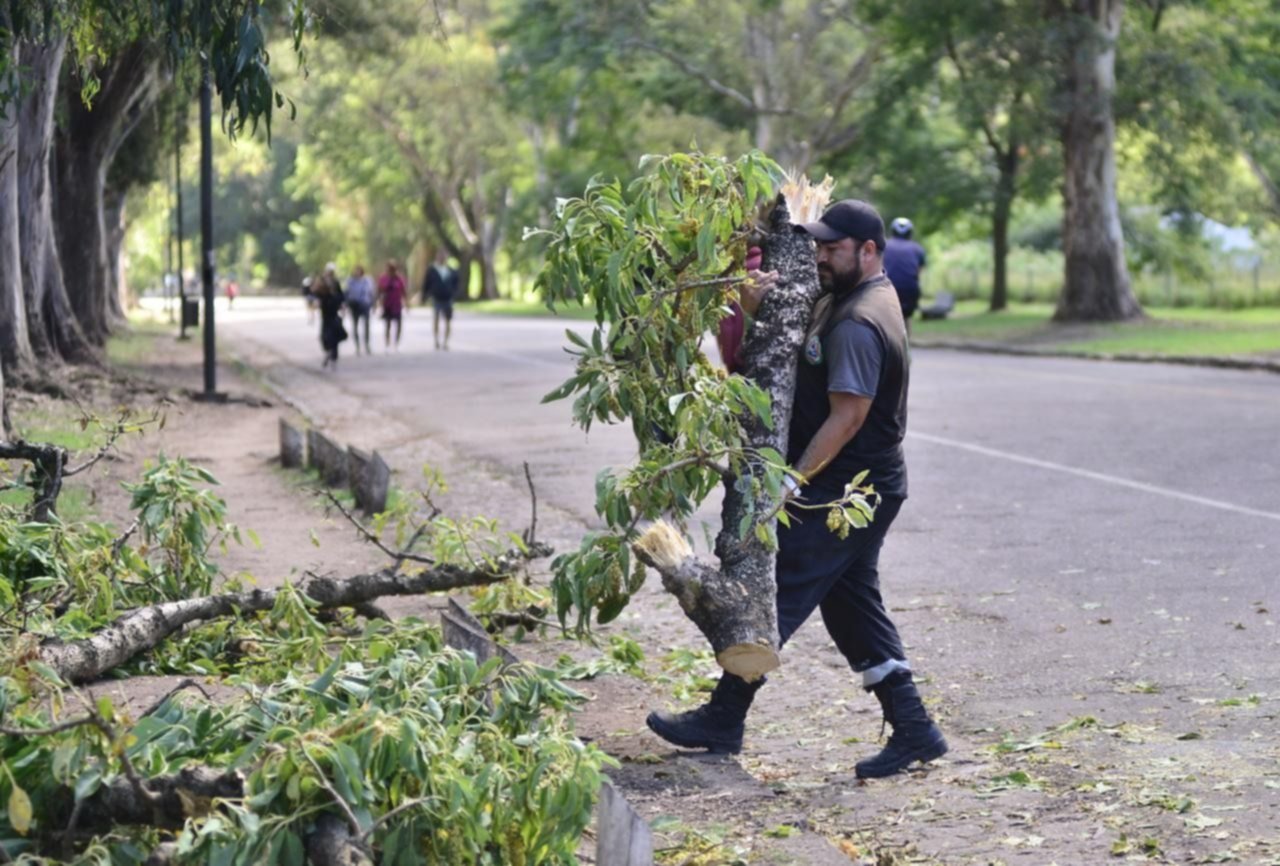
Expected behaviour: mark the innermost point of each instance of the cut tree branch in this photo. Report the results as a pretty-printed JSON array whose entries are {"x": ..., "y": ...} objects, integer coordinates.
[
  {"x": 48, "y": 461},
  {"x": 399, "y": 556},
  {"x": 143, "y": 629}
]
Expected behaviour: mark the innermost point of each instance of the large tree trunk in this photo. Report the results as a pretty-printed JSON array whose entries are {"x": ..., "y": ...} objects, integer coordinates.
[
  {"x": 89, "y": 142},
  {"x": 736, "y": 606},
  {"x": 15, "y": 345},
  {"x": 114, "y": 219},
  {"x": 1006, "y": 189},
  {"x": 1096, "y": 282},
  {"x": 51, "y": 322}
]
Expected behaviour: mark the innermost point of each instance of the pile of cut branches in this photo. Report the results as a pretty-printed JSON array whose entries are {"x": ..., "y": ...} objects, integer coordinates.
[{"x": 353, "y": 738}]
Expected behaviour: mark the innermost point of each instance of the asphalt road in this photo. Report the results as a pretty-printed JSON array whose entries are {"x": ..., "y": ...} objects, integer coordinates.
[{"x": 1078, "y": 532}]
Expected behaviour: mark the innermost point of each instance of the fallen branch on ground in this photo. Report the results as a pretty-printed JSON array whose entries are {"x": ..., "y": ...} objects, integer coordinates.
[{"x": 143, "y": 629}]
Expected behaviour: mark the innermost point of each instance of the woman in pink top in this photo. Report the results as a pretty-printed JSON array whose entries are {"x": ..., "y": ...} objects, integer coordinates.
[{"x": 393, "y": 299}]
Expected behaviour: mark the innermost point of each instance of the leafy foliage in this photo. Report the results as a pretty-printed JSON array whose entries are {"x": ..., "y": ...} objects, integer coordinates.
[
  {"x": 658, "y": 259},
  {"x": 427, "y": 755},
  {"x": 437, "y": 760}
]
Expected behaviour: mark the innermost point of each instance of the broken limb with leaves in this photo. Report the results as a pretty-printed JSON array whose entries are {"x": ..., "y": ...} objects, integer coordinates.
[
  {"x": 351, "y": 740},
  {"x": 660, "y": 259}
]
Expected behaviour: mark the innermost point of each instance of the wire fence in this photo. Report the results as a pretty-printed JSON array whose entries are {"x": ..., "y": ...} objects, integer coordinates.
[{"x": 1229, "y": 286}]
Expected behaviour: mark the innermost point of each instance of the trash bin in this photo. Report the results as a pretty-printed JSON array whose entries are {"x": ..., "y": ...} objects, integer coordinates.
[{"x": 190, "y": 312}]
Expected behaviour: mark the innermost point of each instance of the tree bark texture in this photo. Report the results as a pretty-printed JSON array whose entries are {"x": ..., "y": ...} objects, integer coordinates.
[
  {"x": 51, "y": 323},
  {"x": 1096, "y": 280},
  {"x": 735, "y": 607},
  {"x": 88, "y": 144},
  {"x": 15, "y": 345},
  {"x": 331, "y": 843},
  {"x": 143, "y": 629},
  {"x": 49, "y": 463},
  {"x": 165, "y": 801},
  {"x": 1006, "y": 189}
]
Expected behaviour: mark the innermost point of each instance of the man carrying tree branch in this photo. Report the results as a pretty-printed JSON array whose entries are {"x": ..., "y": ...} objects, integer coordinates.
[{"x": 850, "y": 414}]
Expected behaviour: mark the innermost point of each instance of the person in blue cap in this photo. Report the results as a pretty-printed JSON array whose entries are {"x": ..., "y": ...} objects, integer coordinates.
[{"x": 850, "y": 414}]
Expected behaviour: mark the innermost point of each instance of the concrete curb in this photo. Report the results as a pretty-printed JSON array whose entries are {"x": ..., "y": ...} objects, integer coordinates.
[{"x": 1226, "y": 362}]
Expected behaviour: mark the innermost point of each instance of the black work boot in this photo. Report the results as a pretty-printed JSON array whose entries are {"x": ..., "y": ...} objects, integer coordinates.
[
  {"x": 915, "y": 737},
  {"x": 716, "y": 725}
]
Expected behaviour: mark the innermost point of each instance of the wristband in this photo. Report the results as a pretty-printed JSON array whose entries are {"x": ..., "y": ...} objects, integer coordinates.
[{"x": 791, "y": 486}]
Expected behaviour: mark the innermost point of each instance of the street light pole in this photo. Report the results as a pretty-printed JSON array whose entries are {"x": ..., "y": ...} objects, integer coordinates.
[
  {"x": 182, "y": 280},
  {"x": 206, "y": 229}
]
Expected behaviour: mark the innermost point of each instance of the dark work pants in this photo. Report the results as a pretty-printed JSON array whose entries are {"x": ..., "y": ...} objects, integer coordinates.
[{"x": 818, "y": 570}]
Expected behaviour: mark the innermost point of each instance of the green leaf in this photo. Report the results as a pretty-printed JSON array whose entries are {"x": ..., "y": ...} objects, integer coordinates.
[{"x": 20, "y": 812}]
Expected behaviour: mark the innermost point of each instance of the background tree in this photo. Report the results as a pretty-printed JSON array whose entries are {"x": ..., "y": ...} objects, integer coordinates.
[
  {"x": 63, "y": 212},
  {"x": 793, "y": 75},
  {"x": 1096, "y": 283},
  {"x": 991, "y": 68}
]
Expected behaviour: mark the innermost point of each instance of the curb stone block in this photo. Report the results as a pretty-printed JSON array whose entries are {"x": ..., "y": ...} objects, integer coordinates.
[
  {"x": 292, "y": 446},
  {"x": 623, "y": 838},
  {"x": 330, "y": 459},
  {"x": 370, "y": 479}
]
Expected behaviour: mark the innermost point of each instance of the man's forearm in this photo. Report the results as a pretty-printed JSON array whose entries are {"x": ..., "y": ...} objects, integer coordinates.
[{"x": 825, "y": 445}]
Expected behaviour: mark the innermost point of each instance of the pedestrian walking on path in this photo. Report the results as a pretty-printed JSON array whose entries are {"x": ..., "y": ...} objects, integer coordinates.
[
  {"x": 360, "y": 298},
  {"x": 849, "y": 415},
  {"x": 440, "y": 286},
  {"x": 329, "y": 297},
  {"x": 393, "y": 300}
]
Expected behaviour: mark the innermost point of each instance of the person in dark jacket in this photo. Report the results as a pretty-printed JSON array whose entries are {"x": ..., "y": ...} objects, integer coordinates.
[
  {"x": 330, "y": 299},
  {"x": 440, "y": 286},
  {"x": 903, "y": 261},
  {"x": 850, "y": 415}
]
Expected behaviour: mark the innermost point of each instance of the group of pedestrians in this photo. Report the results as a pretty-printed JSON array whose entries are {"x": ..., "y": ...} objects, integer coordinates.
[{"x": 389, "y": 295}]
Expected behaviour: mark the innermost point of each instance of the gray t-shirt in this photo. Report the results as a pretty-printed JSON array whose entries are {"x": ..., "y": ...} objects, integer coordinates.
[{"x": 854, "y": 355}]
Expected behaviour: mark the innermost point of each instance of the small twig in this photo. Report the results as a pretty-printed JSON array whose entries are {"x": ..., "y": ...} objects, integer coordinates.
[
  {"x": 387, "y": 816},
  {"x": 185, "y": 684},
  {"x": 701, "y": 284},
  {"x": 131, "y": 773},
  {"x": 400, "y": 556},
  {"x": 337, "y": 798},
  {"x": 119, "y": 543},
  {"x": 531, "y": 534},
  {"x": 253, "y": 699},
  {"x": 68, "y": 849}
]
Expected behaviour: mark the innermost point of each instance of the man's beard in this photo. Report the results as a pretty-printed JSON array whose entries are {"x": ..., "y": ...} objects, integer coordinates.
[{"x": 839, "y": 283}]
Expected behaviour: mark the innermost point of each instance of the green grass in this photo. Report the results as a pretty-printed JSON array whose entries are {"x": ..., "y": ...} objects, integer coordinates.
[
  {"x": 73, "y": 502},
  {"x": 50, "y": 423},
  {"x": 56, "y": 424},
  {"x": 1194, "y": 331},
  {"x": 133, "y": 345},
  {"x": 505, "y": 307}
]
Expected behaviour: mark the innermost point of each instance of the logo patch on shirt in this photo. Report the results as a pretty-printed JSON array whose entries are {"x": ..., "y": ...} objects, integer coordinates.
[{"x": 813, "y": 350}]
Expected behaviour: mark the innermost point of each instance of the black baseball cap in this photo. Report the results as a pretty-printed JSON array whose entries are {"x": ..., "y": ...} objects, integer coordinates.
[{"x": 851, "y": 218}]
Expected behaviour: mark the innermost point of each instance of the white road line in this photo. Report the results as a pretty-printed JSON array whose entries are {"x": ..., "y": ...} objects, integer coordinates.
[{"x": 1094, "y": 476}]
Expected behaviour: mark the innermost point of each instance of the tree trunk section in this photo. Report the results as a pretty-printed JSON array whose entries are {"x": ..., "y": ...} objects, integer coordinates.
[
  {"x": 51, "y": 323},
  {"x": 90, "y": 141},
  {"x": 114, "y": 220},
  {"x": 15, "y": 346},
  {"x": 1005, "y": 190},
  {"x": 165, "y": 802},
  {"x": 331, "y": 843},
  {"x": 1096, "y": 280},
  {"x": 735, "y": 607}
]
